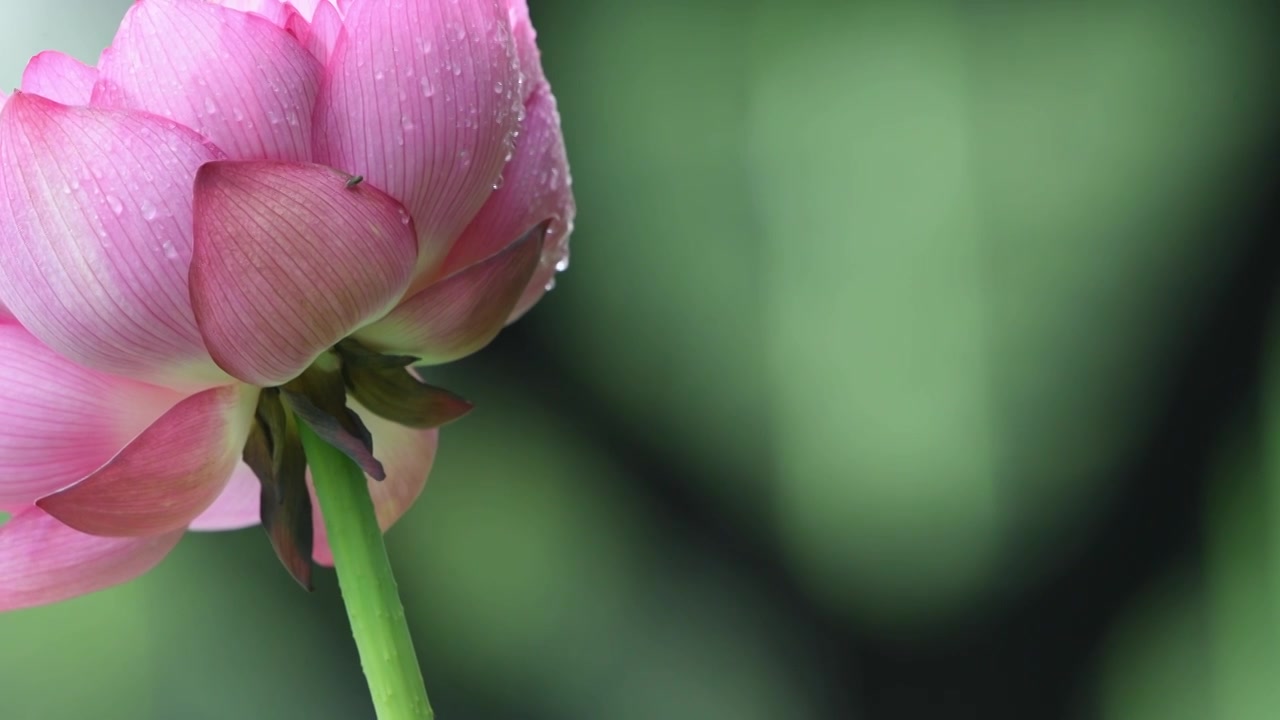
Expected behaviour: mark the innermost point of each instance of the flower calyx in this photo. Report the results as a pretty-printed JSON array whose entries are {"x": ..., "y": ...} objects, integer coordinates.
[{"x": 383, "y": 384}]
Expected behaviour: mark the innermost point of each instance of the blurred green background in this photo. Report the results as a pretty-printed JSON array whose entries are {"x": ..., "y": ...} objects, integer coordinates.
[{"x": 917, "y": 361}]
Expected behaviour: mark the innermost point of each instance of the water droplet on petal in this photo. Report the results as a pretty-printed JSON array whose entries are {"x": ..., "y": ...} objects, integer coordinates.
[
  {"x": 148, "y": 210},
  {"x": 117, "y": 207}
]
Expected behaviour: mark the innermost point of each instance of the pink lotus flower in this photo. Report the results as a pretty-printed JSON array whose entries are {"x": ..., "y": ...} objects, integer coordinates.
[{"x": 251, "y": 211}]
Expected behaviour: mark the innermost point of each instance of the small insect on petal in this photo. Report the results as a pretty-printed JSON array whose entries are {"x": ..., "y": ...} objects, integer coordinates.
[{"x": 354, "y": 181}]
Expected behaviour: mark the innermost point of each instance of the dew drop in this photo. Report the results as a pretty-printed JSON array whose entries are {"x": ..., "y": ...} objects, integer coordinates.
[
  {"x": 563, "y": 264},
  {"x": 117, "y": 207},
  {"x": 148, "y": 211},
  {"x": 497, "y": 184}
]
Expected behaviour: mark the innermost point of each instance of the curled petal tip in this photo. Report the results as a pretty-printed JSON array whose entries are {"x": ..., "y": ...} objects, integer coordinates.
[
  {"x": 462, "y": 313},
  {"x": 169, "y": 475}
]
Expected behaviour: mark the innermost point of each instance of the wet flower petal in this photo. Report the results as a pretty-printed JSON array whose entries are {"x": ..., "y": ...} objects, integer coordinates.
[
  {"x": 536, "y": 187},
  {"x": 422, "y": 98},
  {"x": 60, "y": 78},
  {"x": 235, "y": 78},
  {"x": 526, "y": 39},
  {"x": 95, "y": 232},
  {"x": 326, "y": 27}
]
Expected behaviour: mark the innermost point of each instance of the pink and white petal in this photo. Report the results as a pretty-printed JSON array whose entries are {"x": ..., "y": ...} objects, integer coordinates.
[
  {"x": 326, "y": 27},
  {"x": 544, "y": 278},
  {"x": 169, "y": 474},
  {"x": 407, "y": 455},
  {"x": 422, "y": 99},
  {"x": 60, "y": 78},
  {"x": 43, "y": 561},
  {"x": 290, "y": 259},
  {"x": 537, "y": 186},
  {"x": 95, "y": 232},
  {"x": 461, "y": 313},
  {"x": 62, "y": 421},
  {"x": 272, "y": 8},
  {"x": 236, "y": 78},
  {"x": 309, "y": 8},
  {"x": 526, "y": 39},
  {"x": 266, "y": 8},
  {"x": 237, "y": 507}
]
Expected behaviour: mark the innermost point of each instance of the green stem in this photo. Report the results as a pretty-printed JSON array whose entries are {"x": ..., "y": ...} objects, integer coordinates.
[{"x": 368, "y": 587}]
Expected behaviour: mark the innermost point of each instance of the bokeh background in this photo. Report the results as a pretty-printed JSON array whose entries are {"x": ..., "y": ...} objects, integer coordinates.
[{"x": 918, "y": 360}]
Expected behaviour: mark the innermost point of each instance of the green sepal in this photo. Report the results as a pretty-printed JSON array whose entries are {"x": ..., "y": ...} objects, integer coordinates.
[
  {"x": 274, "y": 453},
  {"x": 388, "y": 388},
  {"x": 319, "y": 399},
  {"x": 395, "y": 394}
]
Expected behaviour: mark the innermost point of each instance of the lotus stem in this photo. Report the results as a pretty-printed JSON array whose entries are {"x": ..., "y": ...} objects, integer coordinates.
[{"x": 367, "y": 583}]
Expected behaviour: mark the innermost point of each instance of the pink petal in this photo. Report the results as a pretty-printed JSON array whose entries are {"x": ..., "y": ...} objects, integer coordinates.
[
  {"x": 461, "y": 313},
  {"x": 237, "y": 507},
  {"x": 43, "y": 561},
  {"x": 95, "y": 232},
  {"x": 266, "y": 8},
  {"x": 407, "y": 455},
  {"x": 60, "y": 78},
  {"x": 236, "y": 78},
  {"x": 555, "y": 252},
  {"x": 537, "y": 187},
  {"x": 274, "y": 8},
  {"x": 326, "y": 27},
  {"x": 288, "y": 261},
  {"x": 422, "y": 98},
  {"x": 169, "y": 475},
  {"x": 58, "y": 421},
  {"x": 526, "y": 44},
  {"x": 309, "y": 8}
]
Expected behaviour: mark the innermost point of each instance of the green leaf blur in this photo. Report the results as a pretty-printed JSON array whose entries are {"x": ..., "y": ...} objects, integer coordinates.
[{"x": 869, "y": 303}]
